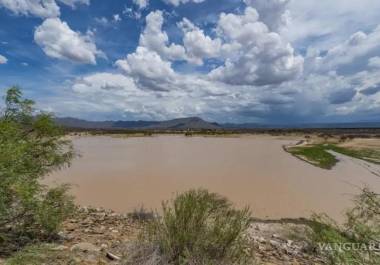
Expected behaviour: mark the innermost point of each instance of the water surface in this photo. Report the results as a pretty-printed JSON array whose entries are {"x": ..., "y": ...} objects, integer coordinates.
[{"x": 126, "y": 173}]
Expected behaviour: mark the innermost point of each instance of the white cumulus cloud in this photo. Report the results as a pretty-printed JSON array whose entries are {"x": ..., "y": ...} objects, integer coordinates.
[
  {"x": 3, "y": 59},
  {"x": 39, "y": 8},
  {"x": 73, "y": 3},
  {"x": 141, "y": 3},
  {"x": 179, "y": 2},
  {"x": 274, "y": 13},
  {"x": 148, "y": 69},
  {"x": 104, "y": 82},
  {"x": 264, "y": 58},
  {"x": 59, "y": 41},
  {"x": 155, "y": 39},
  {"x": 198, "y": 45}
]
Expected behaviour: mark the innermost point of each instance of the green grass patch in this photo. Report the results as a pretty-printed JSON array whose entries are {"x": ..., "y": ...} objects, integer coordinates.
[
  {"x": 369, "y": 155},
  {"x": 316, "y": 155}
]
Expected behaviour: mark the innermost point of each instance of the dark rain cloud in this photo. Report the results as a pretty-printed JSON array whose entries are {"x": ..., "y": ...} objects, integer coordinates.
[
  {"x": 342, "y": 96},
  {"x": 371, "y": 90}
]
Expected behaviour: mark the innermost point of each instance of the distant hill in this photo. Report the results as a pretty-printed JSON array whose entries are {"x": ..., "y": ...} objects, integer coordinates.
[
  {"x": 176, "y": 124},
  {"x": 348, "y": 125},
  {"x": 78, "y": 123},
  {"x": 196, "y": 123}
]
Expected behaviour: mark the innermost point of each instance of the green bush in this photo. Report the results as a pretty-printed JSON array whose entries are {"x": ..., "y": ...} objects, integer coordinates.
[
  {"x": 55, "y": 207},
  {"x": 356, "y": 241},
  {"x": 31, "y": 146},
  {"x": 199, "y": 227}
]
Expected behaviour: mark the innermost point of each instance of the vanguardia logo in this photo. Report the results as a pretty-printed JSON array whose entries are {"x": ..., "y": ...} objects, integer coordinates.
[{"x": 343, "y": 247}]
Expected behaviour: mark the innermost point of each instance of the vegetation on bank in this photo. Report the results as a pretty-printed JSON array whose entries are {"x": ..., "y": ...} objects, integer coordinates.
[
  {"x": 197, "y": 227},
  {"x": 357, "y": 241},
  {"x": 318, "y": 155},
  {"x": 369, "y": 155},
  {"x": 314, "y": 154},
  {"x": 31, "y": 146},
  {"x": 148, "y": 133}
]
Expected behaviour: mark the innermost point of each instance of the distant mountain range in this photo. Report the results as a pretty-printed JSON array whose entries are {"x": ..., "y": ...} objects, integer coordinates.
[
  {"x": 176, "y": 124},
  {"x": 196, "y": 123}
]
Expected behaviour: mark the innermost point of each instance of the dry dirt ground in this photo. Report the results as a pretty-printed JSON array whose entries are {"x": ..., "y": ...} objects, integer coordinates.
[{"x": 98, "y": 236}]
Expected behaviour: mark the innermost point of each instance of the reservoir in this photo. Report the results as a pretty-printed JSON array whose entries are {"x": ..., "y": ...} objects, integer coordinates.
[{"x": 125, "y": 173}]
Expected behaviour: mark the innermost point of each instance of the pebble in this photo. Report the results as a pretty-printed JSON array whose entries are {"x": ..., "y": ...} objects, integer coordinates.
[
  {"x": 112, "y": 256},
  {"x": 103, "y": 246},
  {"x": 274, "y": 243}
]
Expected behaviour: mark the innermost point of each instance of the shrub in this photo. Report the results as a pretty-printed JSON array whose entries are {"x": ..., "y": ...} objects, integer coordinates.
[
  {"x": 199, "y": 227},
  {"x": 31, "y": 146},
  {"x": 55, "y": 207},
  {"x": 360, "y": 233}
]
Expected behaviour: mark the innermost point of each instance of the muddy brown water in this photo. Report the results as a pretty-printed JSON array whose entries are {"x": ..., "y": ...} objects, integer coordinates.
[{"x": 125, "y": 173}]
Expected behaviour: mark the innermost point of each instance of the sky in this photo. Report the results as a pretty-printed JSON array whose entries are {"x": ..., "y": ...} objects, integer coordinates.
[{"x": 241, "y": 61}]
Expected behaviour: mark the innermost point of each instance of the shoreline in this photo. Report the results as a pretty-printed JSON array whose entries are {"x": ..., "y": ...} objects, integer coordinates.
[{"x": 99, "y": 236}]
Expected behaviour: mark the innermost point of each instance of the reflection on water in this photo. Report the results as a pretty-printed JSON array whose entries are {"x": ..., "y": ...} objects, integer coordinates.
[{"x": 125, "y": 173}]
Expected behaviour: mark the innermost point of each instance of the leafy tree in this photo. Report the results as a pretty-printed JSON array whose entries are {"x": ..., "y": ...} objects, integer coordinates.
[{"x": 31, "y": 146}]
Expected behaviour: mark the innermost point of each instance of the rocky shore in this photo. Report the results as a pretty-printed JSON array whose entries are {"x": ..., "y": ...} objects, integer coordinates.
[{"x": 96, "y": 236}]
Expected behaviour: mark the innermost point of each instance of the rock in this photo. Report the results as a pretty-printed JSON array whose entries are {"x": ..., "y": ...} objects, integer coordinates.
[
  {"x": 65, "y": 236},
  {"x": 259, "y": 239},
  {"x": 262, "y": 248},
  {"x": 70, "y": 227},
  {"x": 85, "y": 247},
  {"x": 112, "y": 256},
  {"x": 103, "y": 246},
  {"x": 274, "y": 243}
]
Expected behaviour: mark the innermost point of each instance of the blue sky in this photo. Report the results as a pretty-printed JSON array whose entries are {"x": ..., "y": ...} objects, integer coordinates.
[{"x": 272, "y": 61}]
